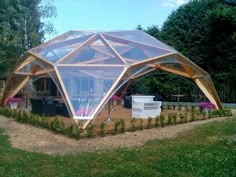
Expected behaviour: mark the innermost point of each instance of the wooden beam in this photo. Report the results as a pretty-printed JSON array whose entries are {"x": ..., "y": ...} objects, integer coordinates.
[
  {"x": 86, "y": 124},
  {"x": 28, "y": 60},
  {"x": 151, "y": 60},
  {"x": 208, "y": 92},
  {"x": 43, "y": 71},
  {"x": 23, "y": 73},
  {"x": 172, "y": 70}
]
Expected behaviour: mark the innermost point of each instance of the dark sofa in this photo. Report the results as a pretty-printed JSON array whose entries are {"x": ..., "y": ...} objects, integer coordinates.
[{"x": 43, "y": 106}]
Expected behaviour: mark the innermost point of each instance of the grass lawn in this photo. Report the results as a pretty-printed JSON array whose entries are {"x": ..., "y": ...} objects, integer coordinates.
[{"x": 209, "y": 150}]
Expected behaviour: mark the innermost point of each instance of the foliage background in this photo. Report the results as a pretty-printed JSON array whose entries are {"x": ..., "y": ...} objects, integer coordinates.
[{"x": 205, "y": 32}]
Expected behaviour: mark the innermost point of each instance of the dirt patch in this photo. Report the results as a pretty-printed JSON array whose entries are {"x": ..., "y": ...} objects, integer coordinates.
[{"x": 35, "y": 139}]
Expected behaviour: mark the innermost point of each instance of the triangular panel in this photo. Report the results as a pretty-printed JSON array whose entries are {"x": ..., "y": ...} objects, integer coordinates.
[
  {"x": 95, "y": 53},
  {"x": 87, "y": 86},
  {"x": 140, "y": 37},
  {"x": 55, "y": 51}
]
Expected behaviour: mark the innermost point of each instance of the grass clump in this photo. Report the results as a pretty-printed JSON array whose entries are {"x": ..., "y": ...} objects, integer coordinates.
[
  {"x": 149, "y": 122},
  {"x": 157, "y": 121},
  {"x": 141, "y": 124},
  {"x": 162, "y": 119},
  {"x": 133, "y": 124},
  {"x": 103, "y": 129},
  {"x": 89, "y": 130}
]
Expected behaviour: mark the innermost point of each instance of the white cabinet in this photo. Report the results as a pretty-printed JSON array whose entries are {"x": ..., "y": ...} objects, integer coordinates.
[{"x": 144, "y": 107}]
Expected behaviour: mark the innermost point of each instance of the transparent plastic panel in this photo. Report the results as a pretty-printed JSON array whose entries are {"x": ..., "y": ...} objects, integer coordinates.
[
  {"x": 96, "y": 53},
  {"x": 174, "y": 66},
  {"x": 15, "y": 81},
  {"x": 56, "y": 51},
  {"x": 87, "y": 86},
  {"x": 42, "y": 64},
  {"x": 136, "y": 71},
  {"x": 140, "y": 53},
  {"x": 140, "y": 37},
  {"x": 133, "y": 52},
  {"x": 35, "y": 66},
  {"x": 28, "y": 68},
  {"x": 68, "y": 36},
  {"x": 55, "y": 79}
]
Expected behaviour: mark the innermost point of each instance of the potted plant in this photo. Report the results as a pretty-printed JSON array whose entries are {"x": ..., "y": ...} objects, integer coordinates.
[
  {"x": 13, "y": 102},
  {"x": 206, "y": 107}
]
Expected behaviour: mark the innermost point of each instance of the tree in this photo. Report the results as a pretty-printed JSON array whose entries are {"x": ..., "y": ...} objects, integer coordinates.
[
  {"x": 205, "y": 32},
  {"x": 21, "y": 27}
]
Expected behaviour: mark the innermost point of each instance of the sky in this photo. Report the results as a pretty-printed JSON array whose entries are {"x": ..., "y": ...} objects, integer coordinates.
[{"x": 111, "y": 14}]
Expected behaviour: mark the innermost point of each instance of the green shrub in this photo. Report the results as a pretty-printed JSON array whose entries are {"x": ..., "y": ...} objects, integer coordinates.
[
  {"x": 174, "y": 106},
  {"x": 57, "y": 125},
  {"x": 149, "y": 122},
  {"x": 116, "y": 126},
  {"x": 192, "y": 116},
  {"x": 162, "y": 119},
  {"x": 122, "y": 128},
  {"x": 204, "y": 115},
  {"x": 209, "y": 114},
  {"x": 73, "y": 131},
  {"x": 14, "y": 113},
  {"x": 227, "y": 112},
  {"x": 25, "y": 117},
  {"x": 185, "y": 117},
  {"x": 192, "y": 108},
  {"x": 179, "y": 107},
  {"x": 19, "y": 116},
  {"x": 89, "y": 131},
  {"x": 186, "y": 108},
  {"x": 174, "y": 118},
  {"x": 141, "y": 124},
  {"x": 44, "y": 122},
  {"x": 181, "y": 117},
  {"x": 156, "y": 121},
  {"x": 169, "y": 119},
  {"x": 8, "y": 113},
  {"x": 103, "y": 129},
  {"x": 133, "y": 124}
]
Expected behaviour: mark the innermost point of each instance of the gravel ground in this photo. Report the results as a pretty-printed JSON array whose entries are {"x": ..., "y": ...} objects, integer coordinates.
[{"x": 34, "y": 139}]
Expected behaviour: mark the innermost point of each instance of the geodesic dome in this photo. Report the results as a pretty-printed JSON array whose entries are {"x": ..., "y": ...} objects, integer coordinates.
[{"x": 88, "y": 67}]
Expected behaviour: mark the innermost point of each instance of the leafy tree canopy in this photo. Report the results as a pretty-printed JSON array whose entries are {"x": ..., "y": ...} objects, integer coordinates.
[
  {"x": 21, "y": 27},
  {"x": 205, "y": 32}
]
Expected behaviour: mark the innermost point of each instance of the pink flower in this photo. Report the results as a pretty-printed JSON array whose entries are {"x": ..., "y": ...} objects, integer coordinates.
[
  {"x": 115, "y": 98},
  {"x": 207, "y": 105},
  {"x": 14, "y": 100}
]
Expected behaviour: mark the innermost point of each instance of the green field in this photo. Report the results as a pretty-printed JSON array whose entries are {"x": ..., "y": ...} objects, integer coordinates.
[{"x": 209, "y": 150}]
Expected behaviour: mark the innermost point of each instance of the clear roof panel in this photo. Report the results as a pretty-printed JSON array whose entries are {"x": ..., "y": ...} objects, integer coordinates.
[
  {"x": 141, "y": 37},
  {"x": 87, "y": 86},
  {"x": 56, "y": 51},
  {"x": 95, "y": 53},
  {"x": 28, "y": 68},
  {"x": 68, "y": 36}
]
